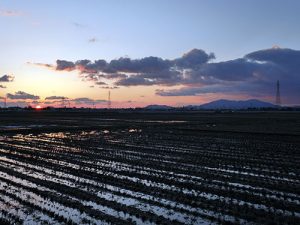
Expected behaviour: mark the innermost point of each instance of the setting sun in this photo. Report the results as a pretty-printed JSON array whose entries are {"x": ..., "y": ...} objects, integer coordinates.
[{"x": 38, "y": 107}]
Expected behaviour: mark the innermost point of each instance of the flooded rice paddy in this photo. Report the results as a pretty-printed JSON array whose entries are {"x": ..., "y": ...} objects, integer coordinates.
[{"x": 126, "y": 170}]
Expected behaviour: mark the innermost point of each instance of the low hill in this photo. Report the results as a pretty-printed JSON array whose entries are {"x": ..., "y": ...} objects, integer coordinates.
[
  {"x": 158, "y": 107},
  {"x": 232, "y": 104}
]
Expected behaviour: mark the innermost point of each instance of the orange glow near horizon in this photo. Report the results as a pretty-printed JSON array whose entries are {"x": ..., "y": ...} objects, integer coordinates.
[{"x": 38, "y": 107}]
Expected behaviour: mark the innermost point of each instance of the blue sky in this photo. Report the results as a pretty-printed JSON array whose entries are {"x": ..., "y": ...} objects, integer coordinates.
[
  {"x": 43, "y": 31},
  {"x": 165, "y": 28}
]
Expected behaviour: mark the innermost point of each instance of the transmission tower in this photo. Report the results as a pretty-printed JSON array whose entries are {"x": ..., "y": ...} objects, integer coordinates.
[
  {"x": 278, "y": 100},
  {"x": 63, "y": 102},
  {"x": 108, "y": 102}
]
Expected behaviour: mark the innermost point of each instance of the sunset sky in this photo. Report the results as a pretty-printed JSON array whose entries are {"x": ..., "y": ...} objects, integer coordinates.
[{"x": 148, "y": 52}]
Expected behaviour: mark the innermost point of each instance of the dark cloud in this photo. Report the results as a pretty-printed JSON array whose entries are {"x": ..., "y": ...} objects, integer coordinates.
[
  {"x": 83, "y": 62},
  {"x": 22, "y": 95},
  {"x": 191, "y": 91},
  {"x": 93, "y": 40},
  {"x": 240, "y": 87},
  {"x": 147, "y": 67},
  {"x": 167, "y": 78},
  {"x": 254, "y": 74},
  {"x": 97, "y": 65},
  {"x": 194, "y": 58},
  {"x": 55, "y": 98},
  {"x": 65, "y": 65},
  {"x": 281, "y": 56},
  {"x": 235, "y": 70},
  {"x": 88, "y": 67},
  {"x": 2, "y": 86},
  {"x": 288, "y": 60},
  {"x": 6, "y": 78}
]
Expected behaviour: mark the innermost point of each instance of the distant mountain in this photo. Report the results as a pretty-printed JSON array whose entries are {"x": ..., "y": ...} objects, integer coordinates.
[
  {"x": 232, "y": 104},
  {"x": 158, "y": 107},
  {"x": 220, "y": 104}
]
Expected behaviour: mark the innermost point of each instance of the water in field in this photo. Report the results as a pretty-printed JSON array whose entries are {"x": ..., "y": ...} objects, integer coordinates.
[{"x": 147, "y": 174}]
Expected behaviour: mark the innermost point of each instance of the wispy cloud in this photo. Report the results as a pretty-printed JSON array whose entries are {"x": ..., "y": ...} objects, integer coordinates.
[
  {"x": 79, "y": 25},
  {"x": 61, "y": 101},
  {"x": 50, "y": 66},
  {"x": 10, "y": 13},
  {"x": 88, "y": 101},
  {"x": 22, "y": 95},
  {"x": 55, "y": 98},
  {"x": 93, "y": 40}
]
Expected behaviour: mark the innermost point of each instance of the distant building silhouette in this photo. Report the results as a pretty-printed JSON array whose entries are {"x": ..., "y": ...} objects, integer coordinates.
[{"x": 278, "y": 99}]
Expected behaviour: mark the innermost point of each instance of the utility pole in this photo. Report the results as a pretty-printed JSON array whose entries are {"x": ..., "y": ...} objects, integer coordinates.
[
  {"x": 108, "y": 102},
  {"x": 278, "y": 99}
]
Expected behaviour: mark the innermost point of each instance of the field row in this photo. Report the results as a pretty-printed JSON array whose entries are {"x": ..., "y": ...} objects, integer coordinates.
[{"x": 147, "y": 176}]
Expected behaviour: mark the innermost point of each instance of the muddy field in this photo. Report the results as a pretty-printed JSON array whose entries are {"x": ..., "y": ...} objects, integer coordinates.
[{"x": 149, "y": 168}]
